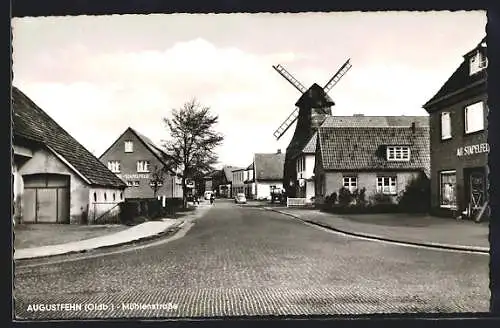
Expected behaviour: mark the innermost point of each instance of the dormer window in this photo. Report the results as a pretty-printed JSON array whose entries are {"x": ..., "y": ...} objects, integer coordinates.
[
  {"x": 398, "y": 153},
  {"x": 477, "y": 62}
]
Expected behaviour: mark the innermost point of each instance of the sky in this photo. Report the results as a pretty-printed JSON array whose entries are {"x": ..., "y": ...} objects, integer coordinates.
[{"x": 98, "y": 75}]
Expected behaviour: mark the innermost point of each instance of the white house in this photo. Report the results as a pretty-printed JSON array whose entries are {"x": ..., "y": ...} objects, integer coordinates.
[
  {"x": 268, "y": 173},
  {"x": 305, "y": 170},
  {"x": 57, "y": 180}
]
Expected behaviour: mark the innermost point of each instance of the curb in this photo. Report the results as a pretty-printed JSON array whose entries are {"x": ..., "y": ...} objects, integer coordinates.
[
  {"x": 474, "y": 249},
  {"x": 171, "y": 229}
]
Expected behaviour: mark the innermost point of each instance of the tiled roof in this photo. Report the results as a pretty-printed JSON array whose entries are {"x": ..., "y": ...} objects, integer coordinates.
[
  {"x": 228, "y": 172},
  {"x": 31, "y": 122},
  {"x": 269, "y": 166},
  {"x": 160, "y": 154},
  {"x": 459, "y": 79},
  {"x": 375, "y": 121},
  {"x": 363, "y": 148},
  {"x": 310, "y": 147}
]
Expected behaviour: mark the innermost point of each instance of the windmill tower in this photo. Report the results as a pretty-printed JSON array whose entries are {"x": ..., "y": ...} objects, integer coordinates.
[{"x": 311, "y": 110}]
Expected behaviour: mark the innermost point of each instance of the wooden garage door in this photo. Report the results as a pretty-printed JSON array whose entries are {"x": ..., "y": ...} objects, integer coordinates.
[{"x": 46, "y": 198}]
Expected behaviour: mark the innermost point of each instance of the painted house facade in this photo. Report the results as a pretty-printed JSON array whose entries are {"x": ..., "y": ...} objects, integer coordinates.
[
  {"x": 268, "y": 173},
  {"x": 238, "y": 184},
  {"x": 249, "y": 181},
  {"x": 379, "y": 153},
  {"x": 135, "y": 158},
  {"x": 305, "y": 185},
  {"x": 57, "y": 180},
  {"x": 459, "y": 138}
]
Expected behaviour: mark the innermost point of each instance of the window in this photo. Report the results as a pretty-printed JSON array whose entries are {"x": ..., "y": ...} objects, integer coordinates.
[
  {"x": 105, "y": 197},
  {"x": 129, "y": 183},
  {"x": 114, "y": 197},
  {"x": 386, "y": 185},
  {"x": 121, "y": 196},
  {"x": 474, "y": 117},
  {"x": 398, "y": 153},
  {"x": 129, "y": 146},
  {"x": 448, "y": 186},
  {"x": 114, "y": 166},
  {"x": 477, "y": 62},
  {"x": 95, "y": 197},
  {"x": 350, "y": 183},
  {"x": 136, "y": 184},
  {"x": 142, "y": 166},
  {"x": 445, "y": 126}
]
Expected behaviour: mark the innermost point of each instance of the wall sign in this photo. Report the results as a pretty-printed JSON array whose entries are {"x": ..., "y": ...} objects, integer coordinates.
[
  {"x": 133, "y": 176},
  {"x": 473, "y": 149}
]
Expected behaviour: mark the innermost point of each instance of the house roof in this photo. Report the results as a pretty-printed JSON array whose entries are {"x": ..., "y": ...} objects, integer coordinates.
[
  {"x": 364, "y": 148},
  {"x": 228, "y": 172},
  {"x": 310, "y": 147},
  {"x": 460, "y": 79},
  {"x": 160, "y": 154},
  {"x": 269, "y": 166},
  {"x": 32, "y": 123},
  {"x": 250, "y": 167},
  {"x": 375, "y": 121}
]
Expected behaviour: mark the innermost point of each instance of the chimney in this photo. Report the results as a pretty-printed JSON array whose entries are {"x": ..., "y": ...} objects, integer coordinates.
[
  {"x": 279, "y": 151},
  {"x": 413, "y": 126}
]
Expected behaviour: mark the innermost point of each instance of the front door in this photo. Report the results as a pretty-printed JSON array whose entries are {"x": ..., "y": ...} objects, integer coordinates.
[{"x": 477, "y": 193}]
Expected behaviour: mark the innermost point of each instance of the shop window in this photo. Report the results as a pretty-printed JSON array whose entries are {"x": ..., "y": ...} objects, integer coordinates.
[
  {"x": 129, "y": 183},
  {"x": 136, "y": 184},
  {"x": 142, "y": 166},
  {"x": 350, "y": 183},
  {"x": 129, "y": 147},
  {"x": 386, "y": 185},
  {"x": 448, "y": 186},
  {"x": 474, "y": 117},
  {"x": 445, "y": 126},
  {"x": 398, "y": 153}
]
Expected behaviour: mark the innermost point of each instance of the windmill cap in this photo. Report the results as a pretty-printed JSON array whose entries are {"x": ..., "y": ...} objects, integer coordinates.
[{"x": 315, "y": 96}]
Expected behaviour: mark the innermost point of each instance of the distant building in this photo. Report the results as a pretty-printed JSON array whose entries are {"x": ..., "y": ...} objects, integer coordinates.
[
  {"x": 268, "y": 173},
  {"x": 249, "y": 182},
  {"x": 305, "y": 170},
  {"x": 134, "y": 158},
  {"x": 57, "y": 180},
  {"x": 459, "y": 138},
  {"x": 379, "y": 153},
  {"x": 238, "y": 184}
]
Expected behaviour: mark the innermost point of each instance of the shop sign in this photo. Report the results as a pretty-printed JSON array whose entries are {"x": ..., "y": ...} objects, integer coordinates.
[
  {"x": 473, "y": 149},
  {"x": 133, "y": 176}
]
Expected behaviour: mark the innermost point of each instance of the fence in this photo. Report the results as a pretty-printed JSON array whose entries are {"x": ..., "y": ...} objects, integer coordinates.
[
  {"x": 296, "y": 202},
  {"x": 104, "y": 213}
]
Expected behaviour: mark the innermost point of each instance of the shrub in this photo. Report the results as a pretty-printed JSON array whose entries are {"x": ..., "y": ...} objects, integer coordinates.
[
  {"x": 381, "y": 199},
  {"x": 345, "y": 197},
  {"x": 416, "y": 196}
]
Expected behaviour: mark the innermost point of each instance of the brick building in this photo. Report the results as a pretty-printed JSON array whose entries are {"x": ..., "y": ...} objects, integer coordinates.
[
  {"x": 134, "y": 158},
  {"x": 57, "y": 180},
  {"x": 459, "y": 138},
  {"x": 379, "y": 153}
]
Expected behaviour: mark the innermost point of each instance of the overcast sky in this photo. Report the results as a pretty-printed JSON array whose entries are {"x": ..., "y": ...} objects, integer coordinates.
[{"x": 98, "y": 75}]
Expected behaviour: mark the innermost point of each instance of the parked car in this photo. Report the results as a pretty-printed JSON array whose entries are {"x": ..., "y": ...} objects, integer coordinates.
[
  {"x": 240, "y": 199},
  {"x": 208, "y": 195}
]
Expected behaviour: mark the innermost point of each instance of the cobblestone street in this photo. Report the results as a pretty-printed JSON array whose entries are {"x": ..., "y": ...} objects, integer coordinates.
[{"x": 239, "y": 260}]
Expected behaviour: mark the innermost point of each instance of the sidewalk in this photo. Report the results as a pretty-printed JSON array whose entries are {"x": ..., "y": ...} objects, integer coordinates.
[
  {"x": 422, "y": 230},
  {"x": 140, "y": 232}
]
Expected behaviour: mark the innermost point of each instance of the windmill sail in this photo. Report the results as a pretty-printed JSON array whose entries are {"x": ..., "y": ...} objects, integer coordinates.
[
  {"x": 341, "y": 72},
  {"x": 286, "y": 124},
  {"x": 280, "y": 69}
]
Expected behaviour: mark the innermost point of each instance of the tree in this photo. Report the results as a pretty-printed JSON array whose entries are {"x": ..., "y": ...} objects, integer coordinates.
[
  {"x": 193, "y": 141},
  {"x": 156, "y": 180}
]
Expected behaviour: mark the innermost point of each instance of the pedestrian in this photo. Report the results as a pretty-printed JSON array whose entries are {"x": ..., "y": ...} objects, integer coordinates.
[{"x": 212, "y": 198}]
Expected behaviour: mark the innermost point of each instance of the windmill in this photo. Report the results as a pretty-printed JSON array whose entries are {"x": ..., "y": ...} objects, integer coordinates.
[{"x": 310, "y": 112}]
